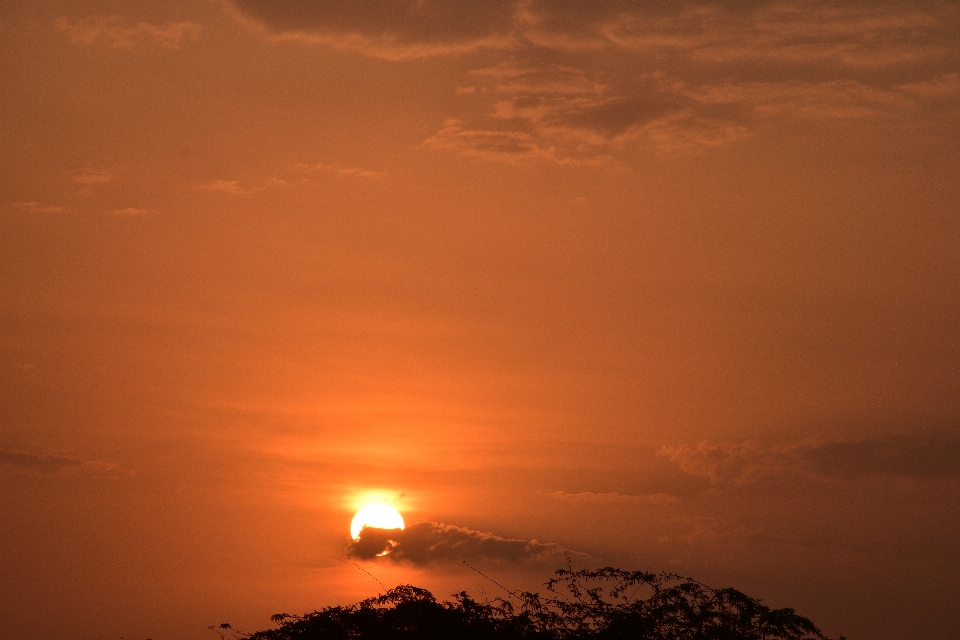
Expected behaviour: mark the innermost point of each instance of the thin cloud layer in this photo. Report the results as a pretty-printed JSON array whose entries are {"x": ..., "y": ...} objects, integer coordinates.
[
  {"x": 589, "y": 82},
  {"x": 897, "y": 457},
  {"x": 390, "y": 29},
  {"x": 562, "y": 114},
  {"x": 741, "y": 463},
  {"x": 846, "y": 33},
  {"x": 614, "y": 497},
  {"x": 228, "y": 186},
  {"x": 34, "y": 206},
  {"x": 511, "y": 146},
  {"x": 430, "y": 543},
  {"x": 114, "y": 32},
  {"x": 328, "y": 167},
  {"x": 132, "y": 211},
  {"x": 860, "y": 35},
  {"x": 92, "y": 177},
  {"x": 46, "y": 464}
]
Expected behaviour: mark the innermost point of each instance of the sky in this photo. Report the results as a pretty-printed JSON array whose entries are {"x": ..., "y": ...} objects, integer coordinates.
[{"x": 661, "y": 286}]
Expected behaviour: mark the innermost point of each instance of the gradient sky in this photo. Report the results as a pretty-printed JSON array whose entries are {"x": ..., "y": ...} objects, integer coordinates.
[{"x": 659, "y": 288}]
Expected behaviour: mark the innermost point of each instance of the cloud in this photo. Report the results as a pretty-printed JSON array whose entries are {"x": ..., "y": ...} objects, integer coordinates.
[
  {"x": 228, "y": 186},
  {"x": 946, "y": 86},
  {"x": 37, "y": 207},
  {"x": 46, "y": 464},
  {"x": 896, "y": 456},
  {"x": 614, "y": 497},
  {"x": 561, "y": 113},
  {"x": 837, "y": 99},
  {"x": 746, "y": 462},
  {"x": 429, "y": 543},
  {"x": 868, "y": 35},
  {"x": 110, "y": 31},
  {"x": 389, "y": 29},
  {"x": 587, "y": 82},
  {"x": 564, "y": 101},
  {"x": 727, "y": 462},
  {"x": 132, "y": 211},
  {"x": 510, "y": 146},
  {"x": 344, "y": 171},
  {"x": 91, "y": 177}
]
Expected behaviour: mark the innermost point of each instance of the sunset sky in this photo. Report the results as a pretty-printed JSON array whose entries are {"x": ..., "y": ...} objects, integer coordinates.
[{"x": 662, "y": 286}]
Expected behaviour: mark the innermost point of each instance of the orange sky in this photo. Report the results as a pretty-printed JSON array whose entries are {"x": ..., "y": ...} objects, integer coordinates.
[{"x": 667, "y": 289}]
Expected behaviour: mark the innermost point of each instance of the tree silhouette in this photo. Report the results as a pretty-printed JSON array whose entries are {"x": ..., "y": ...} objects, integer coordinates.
[{"x": 606, "y": 604}]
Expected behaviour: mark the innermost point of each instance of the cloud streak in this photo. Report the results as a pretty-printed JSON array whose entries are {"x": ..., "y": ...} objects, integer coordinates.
[
  {"x": 91, "y": 177},
  {"x": 393, "y": 29},
  {"x": 614, "y": 497},
  {"x": 846, "y": 33},
  {"x": 34, "y": 206},
  {"x": 46, "y": 464},
  {"x": 585, "y": 83},
  {"x": 113, "y": 32},
  {"x": 231, "y": 187},
  {"x": 132, "y": 211},
  {"x": 748, "y": 462},
  {"x": 355, "y": 172}
]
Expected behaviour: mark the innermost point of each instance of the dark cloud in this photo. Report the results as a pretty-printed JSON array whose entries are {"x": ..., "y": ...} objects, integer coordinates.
[
  {"x": 616, "y": 116},
  {"x": 587, "y": 82},
  {"x": 426, "y": 543},
  {"x": 746, "y": 462},
  {"x": 896, "y": 457},
  {"x": 449, "y": 22},
  {"x": 425, "y": 26},
  {"x": 727, "y": 462},
  {"x": 847, "y": 33}
]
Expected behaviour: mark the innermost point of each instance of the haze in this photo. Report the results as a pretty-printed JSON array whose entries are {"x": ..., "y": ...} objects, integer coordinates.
[{"x": 657, "y": 288}]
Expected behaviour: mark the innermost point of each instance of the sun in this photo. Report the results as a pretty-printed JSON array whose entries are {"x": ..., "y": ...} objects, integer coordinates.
[{"x": 378, "y": 516}]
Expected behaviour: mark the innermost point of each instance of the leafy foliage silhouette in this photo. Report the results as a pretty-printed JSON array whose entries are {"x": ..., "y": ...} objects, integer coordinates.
[{"x": 606, "y": 604}]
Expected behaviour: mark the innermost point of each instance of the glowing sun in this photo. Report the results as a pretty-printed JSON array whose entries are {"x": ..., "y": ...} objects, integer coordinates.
[{"x": 378, "y": 516}]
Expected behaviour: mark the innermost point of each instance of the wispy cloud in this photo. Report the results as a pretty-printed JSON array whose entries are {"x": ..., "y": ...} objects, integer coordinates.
[
  {"x": 229, "y": 186},
  {"x": 132, "y": 211},
  {"x": 327, "y": 167},
  {"x": 511, "y": 146},
  {"x": 746, "y": 462},
  {"x": 561, "y": 114},
  {"x": 91, "y": 177},
  {"x": 838, "y": 99},
  {"x": 49, "y": 464},
  {"x": 589, "y": 82},
  {"x": 866, "y": 36},
  {"x": 396, "y": 30},
  {"x": 945, "y": 86},
  {"x": 913, "y": 457},
  {"x": 856, "y": 34},
  {"x": 613, "y": 497},
  {"x": 113, "y": 31},
  {"x": 38, "y": 207}
]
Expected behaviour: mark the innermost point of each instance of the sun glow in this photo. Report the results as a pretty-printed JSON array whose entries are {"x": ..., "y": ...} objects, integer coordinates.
[{"x": 379, "y": 516}]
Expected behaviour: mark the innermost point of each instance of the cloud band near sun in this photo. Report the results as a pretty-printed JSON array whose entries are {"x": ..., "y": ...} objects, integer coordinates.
[{"x": 430, "y": 543}]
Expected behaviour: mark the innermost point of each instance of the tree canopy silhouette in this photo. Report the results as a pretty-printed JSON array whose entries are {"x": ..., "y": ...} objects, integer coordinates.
[{"x": 606, "y": 604}]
